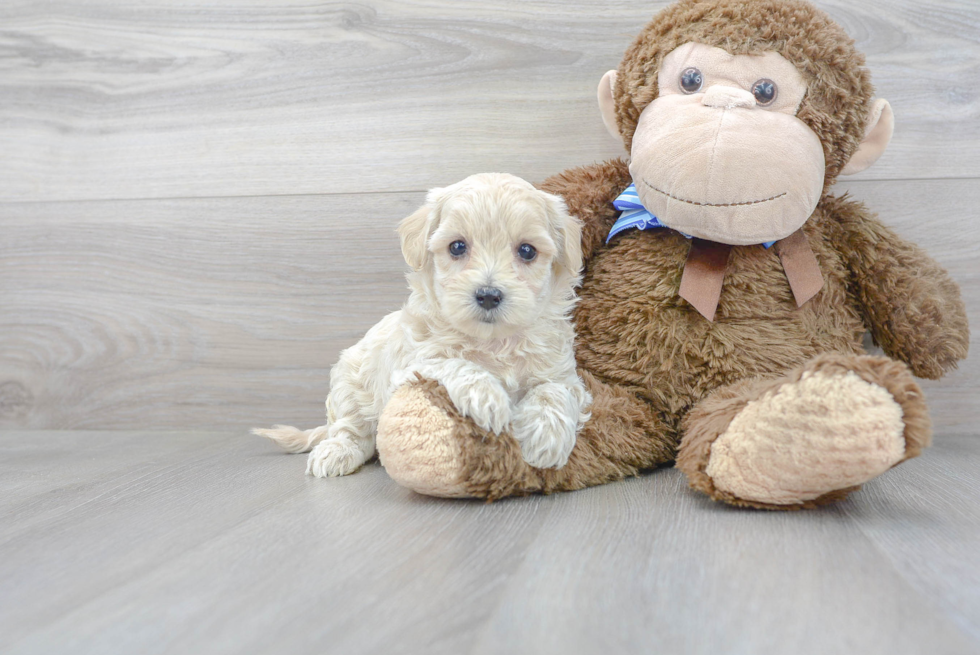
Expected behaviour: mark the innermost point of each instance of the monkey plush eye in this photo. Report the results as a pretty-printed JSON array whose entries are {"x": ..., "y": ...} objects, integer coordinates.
[
  {"x": 457, "y": 248},
  {"x": 764, "y": 91},
  {"x": 527, "y": 252},
  {"x": 691, "y": 80}
]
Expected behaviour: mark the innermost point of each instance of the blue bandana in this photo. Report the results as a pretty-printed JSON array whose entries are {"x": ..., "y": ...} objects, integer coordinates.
[{"x": 635, "y": 215}]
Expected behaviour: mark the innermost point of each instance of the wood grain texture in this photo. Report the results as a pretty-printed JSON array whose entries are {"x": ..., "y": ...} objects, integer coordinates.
[
  {"x": 168, "y": 98},
  {"x": 229, "y": 312},
  {"x": 171, "y": 313},
  {"x": 216, "y": 542}
]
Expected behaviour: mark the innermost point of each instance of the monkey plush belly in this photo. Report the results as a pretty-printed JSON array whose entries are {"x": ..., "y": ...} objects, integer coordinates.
[{"x": 634, "y": 329}]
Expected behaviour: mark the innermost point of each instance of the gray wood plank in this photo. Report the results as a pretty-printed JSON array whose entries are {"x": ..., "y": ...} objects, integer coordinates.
[
  {"x": 125, "y": 525},
  {"x": 175, "y": 99},
  {"x": 206, "y": 309},
  {"x": 923, "y": 521},
  {"x": 229, "y": 312},
  {"x": 42, "y": 483},
  {"x": 224, "y": 546},
  {"x": 242, "y": 550},
  {"x": 650, "y": 565}
]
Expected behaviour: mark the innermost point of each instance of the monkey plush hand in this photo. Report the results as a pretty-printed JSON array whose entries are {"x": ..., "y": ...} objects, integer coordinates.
[{"x": 722, "y": 311}]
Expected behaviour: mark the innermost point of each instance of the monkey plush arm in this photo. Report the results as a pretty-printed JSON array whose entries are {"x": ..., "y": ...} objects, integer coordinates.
[
  {"x": 589, "y": 191},
  {"x": 911, "y": 305}
]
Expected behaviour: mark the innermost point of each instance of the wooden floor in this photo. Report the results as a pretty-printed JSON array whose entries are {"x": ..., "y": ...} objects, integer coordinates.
[
  {"x": 135, "y": 542},
  {"x": 197, "y": 211}
]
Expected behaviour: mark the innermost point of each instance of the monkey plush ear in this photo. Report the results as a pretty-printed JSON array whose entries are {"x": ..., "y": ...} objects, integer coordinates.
[
  {"x": 881, "y": 124},
  {"x": 415, "y": 231},
  {"x": 567, "y": 232},
  {"x": 606, "y": 104}
]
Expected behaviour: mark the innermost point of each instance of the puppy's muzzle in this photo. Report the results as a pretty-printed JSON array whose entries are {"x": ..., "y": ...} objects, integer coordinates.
[{"x": 489, "y": 298}]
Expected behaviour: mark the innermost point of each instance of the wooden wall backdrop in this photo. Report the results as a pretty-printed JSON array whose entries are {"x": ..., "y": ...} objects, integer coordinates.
[{"x": 197, "y": 200}]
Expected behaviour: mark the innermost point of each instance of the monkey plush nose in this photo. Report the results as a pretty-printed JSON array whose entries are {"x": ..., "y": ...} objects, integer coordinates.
[
  {"x": 727, "y": 97},
  {"x": 488, "y": 297}
]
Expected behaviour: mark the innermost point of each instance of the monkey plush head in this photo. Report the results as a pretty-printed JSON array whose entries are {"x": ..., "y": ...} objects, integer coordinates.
[{"x": 739, "y": 114}]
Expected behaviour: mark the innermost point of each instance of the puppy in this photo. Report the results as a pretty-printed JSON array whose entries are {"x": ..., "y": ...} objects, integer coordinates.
[{"x": 494, "y": 266}]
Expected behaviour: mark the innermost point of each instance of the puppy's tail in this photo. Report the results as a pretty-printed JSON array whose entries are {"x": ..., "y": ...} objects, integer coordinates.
[{"x": 293, "y": 439}]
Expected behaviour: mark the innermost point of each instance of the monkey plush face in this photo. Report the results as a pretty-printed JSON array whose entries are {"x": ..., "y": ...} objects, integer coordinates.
[
  {"x": 720, "y": 154},
  {"x": 736, "y": 131}
]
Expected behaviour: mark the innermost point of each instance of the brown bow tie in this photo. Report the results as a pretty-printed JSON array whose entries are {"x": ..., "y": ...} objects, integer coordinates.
[{"x": 704, "y": 271}]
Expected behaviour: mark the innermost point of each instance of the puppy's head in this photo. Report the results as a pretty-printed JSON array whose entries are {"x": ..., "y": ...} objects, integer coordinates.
[{"x": 495, "y": 253}]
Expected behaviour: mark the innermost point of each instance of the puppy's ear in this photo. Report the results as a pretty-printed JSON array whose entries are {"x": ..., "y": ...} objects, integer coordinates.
[
  {"x": 567, "y": 232},
  {"x": 415, "y": 230}
]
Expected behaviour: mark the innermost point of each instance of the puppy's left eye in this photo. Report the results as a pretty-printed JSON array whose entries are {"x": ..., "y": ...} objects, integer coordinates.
[
  {"x": 457, "y": 248},
  {"x": 527, "y": 252}
]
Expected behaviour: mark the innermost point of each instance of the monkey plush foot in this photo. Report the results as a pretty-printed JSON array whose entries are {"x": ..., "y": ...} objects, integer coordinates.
[
  {"x": 417, "y": 443},
  {"x": 808, "y": 438},
  {"x": 425, "y": 444}
]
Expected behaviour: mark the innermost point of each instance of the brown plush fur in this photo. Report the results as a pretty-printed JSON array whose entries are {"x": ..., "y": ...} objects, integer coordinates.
[
  {"x": 648, "y": 357},
  {"x": 908, "y": 302}
]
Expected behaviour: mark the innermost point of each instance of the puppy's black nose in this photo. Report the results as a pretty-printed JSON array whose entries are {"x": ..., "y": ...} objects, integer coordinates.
[{"x": 488, "y": 297}]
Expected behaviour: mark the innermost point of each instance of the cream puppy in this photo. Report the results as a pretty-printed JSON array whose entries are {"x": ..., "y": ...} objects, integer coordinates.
[{"x": 494, "y": 265}]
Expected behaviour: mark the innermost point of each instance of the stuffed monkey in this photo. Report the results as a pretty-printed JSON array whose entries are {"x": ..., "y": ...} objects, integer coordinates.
[{"x": 726, "y": 290}]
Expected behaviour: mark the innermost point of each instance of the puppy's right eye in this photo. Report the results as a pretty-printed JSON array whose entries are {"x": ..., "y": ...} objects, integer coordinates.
[{"x": 457, "y": 248}]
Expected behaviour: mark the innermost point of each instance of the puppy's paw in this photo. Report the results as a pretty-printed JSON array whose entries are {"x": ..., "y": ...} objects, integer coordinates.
[
  {"x": 334, "y": 457},
  {"x": 484, "y": 400},
  {"x": 544, "y": 425}
]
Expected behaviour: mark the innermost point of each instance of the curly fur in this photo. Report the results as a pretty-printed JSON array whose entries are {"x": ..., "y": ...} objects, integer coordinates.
[{"x": 509, "y": 366}]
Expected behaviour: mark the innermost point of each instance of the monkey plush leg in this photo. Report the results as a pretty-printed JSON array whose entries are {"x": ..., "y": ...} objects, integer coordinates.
[
  {"x": 426, "y": 445},
  {"x": 808, "y": 438}
]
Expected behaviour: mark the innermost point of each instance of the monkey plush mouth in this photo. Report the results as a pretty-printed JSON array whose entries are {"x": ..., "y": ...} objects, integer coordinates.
[{"x": 708, "y": 204}]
